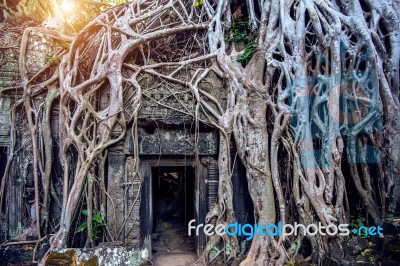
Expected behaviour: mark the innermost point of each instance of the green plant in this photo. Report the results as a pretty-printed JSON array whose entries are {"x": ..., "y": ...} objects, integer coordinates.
[
  {"x": 197, "y": 3},
  {"x": 150, "y": 62},
  {"x": 367, "y": 251},
  {"x": 373, "y": 259},
  {"x": 112, "y": 2},
  {"x": 248, "y": 52},
  {"x": 65, "y": 44},
  {"x": 291, "y": 262},
  {"x": 53, "y": 58},
  {"x": 356, "y": 223},
  {"x": 97, "y": 224},
  {"x": 240, "y": 32}
]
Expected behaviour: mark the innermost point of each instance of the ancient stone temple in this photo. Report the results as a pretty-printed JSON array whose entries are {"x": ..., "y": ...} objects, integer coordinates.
[
  {"x": 178, "y": 170},
  {"x": 178, "y": 175}
]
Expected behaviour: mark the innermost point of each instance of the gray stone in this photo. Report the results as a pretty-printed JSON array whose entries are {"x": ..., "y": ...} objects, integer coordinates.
[
  {"x": 391, "y": 248},
  {"x": 172, "y": 142},
  {"x": 5, "y": 121},
  {"x": 391, "y": 226},
  {"x": 336, "y": 251},
  {"x": 327, "y": 261},
  {"x": 355, "y": 261},
  {"x": 112, "y": 256},
  {"x": 355, "y": 245},
  {"x": 174, "y": 104}
]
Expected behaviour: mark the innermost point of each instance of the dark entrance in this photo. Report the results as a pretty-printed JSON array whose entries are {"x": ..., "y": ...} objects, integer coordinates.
[
  {"x": 3, "y": 160},
  {"x": 173, "y": 190},
  {"x": 3, "y": 163}
]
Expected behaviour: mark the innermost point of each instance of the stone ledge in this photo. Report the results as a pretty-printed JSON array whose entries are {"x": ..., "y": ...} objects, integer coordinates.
[{"x": 110, "y": 256}]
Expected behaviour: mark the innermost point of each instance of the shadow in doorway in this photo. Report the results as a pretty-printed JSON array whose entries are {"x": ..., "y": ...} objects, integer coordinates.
[{"x": 173, "y": 205}]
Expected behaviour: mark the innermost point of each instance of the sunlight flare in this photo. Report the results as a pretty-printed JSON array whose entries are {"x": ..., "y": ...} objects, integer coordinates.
[{"x": 67, "y": 6}]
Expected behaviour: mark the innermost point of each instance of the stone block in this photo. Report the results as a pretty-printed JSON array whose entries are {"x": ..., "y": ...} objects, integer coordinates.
[{"x": 172, "y": 142}]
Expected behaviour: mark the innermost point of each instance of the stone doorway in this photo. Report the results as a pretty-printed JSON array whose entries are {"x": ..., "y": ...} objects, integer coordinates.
[
  {"x": 3, "y": 164},
  {"x": 3, "y": 160},
  {"x": 167, "y": 208},
  {"x": 173, "y": 190}
]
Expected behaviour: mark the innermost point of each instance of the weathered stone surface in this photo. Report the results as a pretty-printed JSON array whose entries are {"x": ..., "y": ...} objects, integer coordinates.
[
  {"x": 356, "y": 263},
  {"x": 174, "y": 104},
  {"x": 175, "y": 259},
  {"x": 124, "y": 199},
  {"x": 326, "y": 261},
  {"x": 336, "y": 250},
  {"x": 5, "y": 121},
  {"x": 10, "y": 38},
  {"x": 391, "y": 226},
  {"x": 98, "y": 256},
  {"x": 173, "y": 142},
  {"x": 355, "y": 245},
  {"x": 41, "y": 50},
  {"x": 133, "y": 198},
  {"x": 21, "y": 254},
  {"x": 115, "y": 204},
  {"x": 391, "y": 248},
  {"x": 67, "y": 257},
  {"x": 9, "y": 76},
  {"x": 347, "y": 261}
]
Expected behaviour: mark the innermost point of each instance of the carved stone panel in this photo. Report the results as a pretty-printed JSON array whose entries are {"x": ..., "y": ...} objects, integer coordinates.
[
  {"x": 10, "y": 40},
  {"x": 173, "y": 142},
  {"x": 116, "y": 203},
  {"x": 124, "y": 199},
  {"x": 132, "y": 187},
  {"x": 5, "y": 105},
  {"x": 175, "y": 104},
  {"x": 168, "y": 104},
  {"x": 41, "y": 50}
]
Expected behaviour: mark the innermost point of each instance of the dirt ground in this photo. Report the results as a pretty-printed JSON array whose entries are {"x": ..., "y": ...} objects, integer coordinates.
[{"x": 175, "y": 260}]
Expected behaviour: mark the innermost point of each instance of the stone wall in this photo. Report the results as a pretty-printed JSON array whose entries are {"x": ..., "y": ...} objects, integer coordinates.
[
  {"x": 9, "y": 76},
  {"x": 9, "y": 41},
  {"x": 19, "y": 200},
  {"x": 173, "y": 104},
  {"x": 110, "y": 256},
  {"x": 180, "y": 142},
  {"x": 11, "y": 220},
  {"x": 164, "y": 130},
  {"x": 124, "y": 199},
  {"x": 5, "y": 120}
]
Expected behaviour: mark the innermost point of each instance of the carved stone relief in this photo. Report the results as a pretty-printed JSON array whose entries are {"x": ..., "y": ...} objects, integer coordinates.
[{"x": 173, "y": 142}]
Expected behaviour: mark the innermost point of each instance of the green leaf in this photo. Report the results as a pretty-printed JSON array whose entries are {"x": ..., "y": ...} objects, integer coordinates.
[
  {"x": 85, "y": 212},
  {"x": 81, "y": 227},
  {"x": 247, "y": 53},
  {"x": 97, "y": 218},
  {"x": 197, "y": 3}
]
